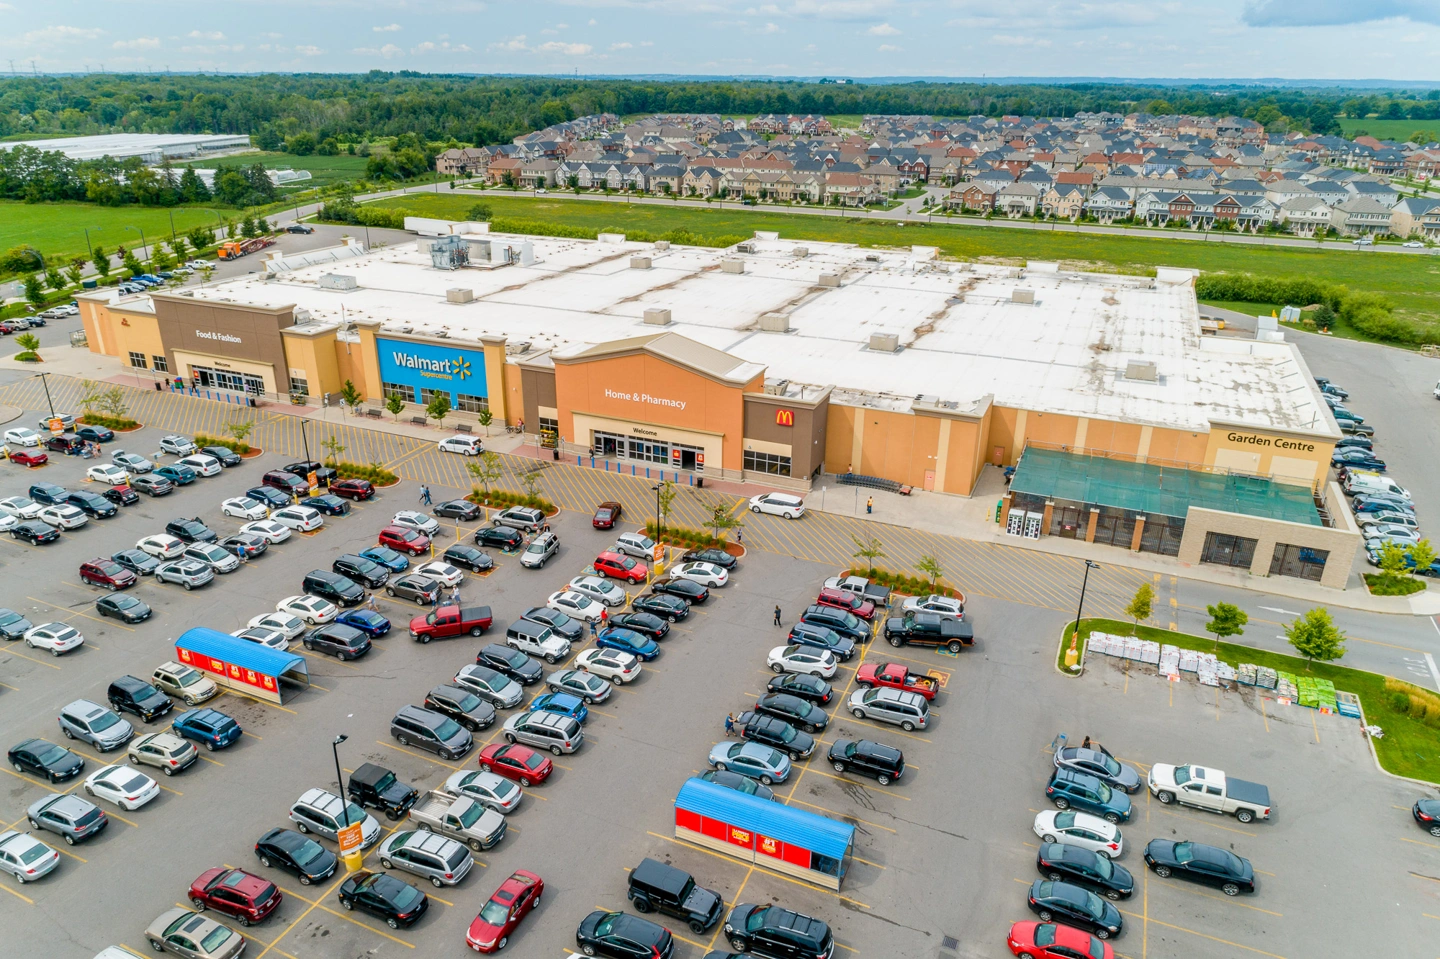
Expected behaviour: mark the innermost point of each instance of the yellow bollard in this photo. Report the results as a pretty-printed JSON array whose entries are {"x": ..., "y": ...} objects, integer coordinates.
[{"x": 1072, "y": 655}]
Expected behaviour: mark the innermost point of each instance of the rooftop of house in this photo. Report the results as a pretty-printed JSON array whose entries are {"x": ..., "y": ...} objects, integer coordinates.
[{"x": 1037, "y": 338}]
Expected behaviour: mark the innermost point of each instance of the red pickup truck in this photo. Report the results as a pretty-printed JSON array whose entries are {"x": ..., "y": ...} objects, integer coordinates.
[
  {"x": 839, "y": 599},
  {"x": 445, "y": 621},
  {"x": 897, "y": 677}
]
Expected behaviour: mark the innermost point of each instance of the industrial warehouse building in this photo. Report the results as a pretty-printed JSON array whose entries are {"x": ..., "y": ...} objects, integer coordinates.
[
  {"x": 149, "y": 147},
  {"x": 774, "y": 360}
]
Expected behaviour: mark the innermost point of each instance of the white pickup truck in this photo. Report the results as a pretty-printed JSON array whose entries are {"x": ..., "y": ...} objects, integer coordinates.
[
  {"x": 1210, "y": 790},
  {"x": 463, "y": 819}
]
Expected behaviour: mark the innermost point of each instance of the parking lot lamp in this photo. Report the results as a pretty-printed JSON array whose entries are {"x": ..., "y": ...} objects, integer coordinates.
[
  {"x": 339, "y": 782},
  {"x": 656, "y": 488},
  {"x": 1089, "y": 565}
]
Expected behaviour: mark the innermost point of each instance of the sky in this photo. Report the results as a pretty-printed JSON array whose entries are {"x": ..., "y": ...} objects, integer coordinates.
[{"x": 1219, "y": 39}]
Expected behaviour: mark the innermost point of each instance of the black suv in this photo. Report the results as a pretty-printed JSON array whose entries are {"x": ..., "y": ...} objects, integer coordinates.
[
  {"x": 846, "y": 624},
  {"x": 884, "y": 764},
  {"x": 461, "y": 705},
  {"x": 190, "y": 530},
  {"x": 823, "y": 637},
  {"x": 340, "y": 590},
  {"x": 272, "y": 498},
  {"x": 654, "y": 885},
  {"x": 49, "y": 494},
  {"x": 226, "y": 457},
  {"x": 511, "y": 662},
  {"x": 468, "y": 557},
  {"x": 775, "y": 732},
  {"x": 672, "y": 608},
  {"x": 362, "y": 570},
  {"x": 130, "y": 695},
  {"x": 502, "y": 537},
  {"x": 92, "y": 504},
  {"x": 345, "y": 642},
  {"x": 303, "y": 469},
  {"x": 776, "y": 933},
  {"x": 377, "y": 787},
  {"x": 567, "y": 627},
  {"x": 687, "y": 590}
]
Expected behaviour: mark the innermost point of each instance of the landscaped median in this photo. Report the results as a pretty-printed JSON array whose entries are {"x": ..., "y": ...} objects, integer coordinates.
[{"x": 1408, "y": 714}]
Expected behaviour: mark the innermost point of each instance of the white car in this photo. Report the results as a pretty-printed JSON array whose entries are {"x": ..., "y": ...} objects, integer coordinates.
[
  {"x": 802, "y": 659},
  {"x": 302, "y": 518},
  {"x": 443, "y": 572},
  {"x": 612, "y": 664},
  {"x": 412, "y": 519},
  {"x": 178, "y": 445},
  {"x": 574, "y": 604},
  {"x": 946, "y": 605},
  {"x": 20, "y": 507},
  {"x": 706, "y": 574},
  {"x": 64, "y": 517},
  {"x": 125, "y": 786},
  {"x": 543, "y": 643},
  {"x": 162, "y": 546},
  {"x": 22, "y": 436},
  {"x": 108, "y": 474},
  {"x": 268, "y": 530},
  {"x": 283, "y": 623},
  {"x": 598, "y": 588},
  {"x": 1414, "y": 245},
  {"x": 8, "y": 522},
  {"x": 312, "y": 609},
  {"x": 131, "y": 461},
  {"x": 245, "y": 508},
  {"x": 779, "y": 504},
  {"x": 1070, "y": 828},
  {"x": 203, "y": 464},
  {"x": 1373, "y": 530},
  {"x": 56, "y": 637},
  {"x": 272, "y": 638},
  {"x": 465, "y": 445}
]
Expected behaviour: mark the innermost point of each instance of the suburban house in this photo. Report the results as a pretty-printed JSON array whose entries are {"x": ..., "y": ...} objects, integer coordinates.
[
  {"x": 1407, "y": 218},
  {"x": 1360, "y": 215},
  {"x": 1063, "y": 201},
  {"x": 1303, "y": 215},
  {"x": 1109, "y": 203}
]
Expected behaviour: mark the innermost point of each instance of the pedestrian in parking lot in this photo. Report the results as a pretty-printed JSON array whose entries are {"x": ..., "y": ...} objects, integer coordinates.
[
  {"x": 370, "y": 604},
  {"x": 455, "y": 595},
  {"x": 594, "y": 629},
  {"x": 739, "y": 534},
  {"x": 777, "y": 614},
  {"x": 424, "y": 495},
  {"x": 729, "y": 723},
  {"x": 869, "y": 504}
]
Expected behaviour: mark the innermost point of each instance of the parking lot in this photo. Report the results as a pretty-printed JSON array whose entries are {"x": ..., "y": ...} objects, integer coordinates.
[{"x": 940, "y": 857}]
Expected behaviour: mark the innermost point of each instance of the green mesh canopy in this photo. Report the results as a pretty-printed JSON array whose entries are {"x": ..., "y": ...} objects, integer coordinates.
[{"x": 1157, "y": 490}]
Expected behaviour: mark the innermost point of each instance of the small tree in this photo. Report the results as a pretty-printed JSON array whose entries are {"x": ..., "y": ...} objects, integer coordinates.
[
  {"x": 931, "y": 567},
  {"x": 394, "y": 404},
  {"x": 55, "y": 278},
  {"x": 333, "y": 447},
  {"x": 1423, "y": 554},
  {"x": 112, "y": 401},
  {"x": 350, "y": 396},
  {"x": 1226, "y": 620},
  {"x": 34, "y": 290},
  {"x": 1315, "y": 636},
  {"x": 133, "y": 264},
  {"x": 486, "y": 469},
  {"x": 239, "y": 429},
  {"x": 75, "y": 272},
  {"x": 868, "y": 549},
  {"x": 439, "y": 407},
  {"x": 486, "y": 418},
  {"x": 530, "y": 482},
  {"x": 665, "y": 497},
  {"x": 1141, "y": 604},
  {"x": 101, "y": 259},
  {"x": 1392, "y": 561},
  {"x": 722, "y": 517},
  {"x": 206, "y": 272},
  {"x": 29, "y": 344},
  {"x": 91, "y": 394},
  {"x": 179, "y": 247}
]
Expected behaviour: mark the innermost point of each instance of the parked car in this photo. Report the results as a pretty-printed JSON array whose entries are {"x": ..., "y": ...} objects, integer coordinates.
[
  {"x": 107, "y": 573},
  {"x": 217, "y": 557},
  {"x": 300, "y": 518},
  {"x": 460, "y": 509},
  {"x": 235, "y": 892},
  {"x": 245, "y": 508},
  {"x": 654, "y": 886},
  {"x": 462, "y": 444},
  {"x": 688, "y": 590},
  {"x": 36, "y": 532},
  {"x": 343, "y": 642},
  {"x": 152, "y": 485},
  {"x": 202, "y": 464},
  {"x": 193, "y": 936},
  {"x": 798, "y": 712},
  {"x": 810, "y": 688},
  {"x": 94, "y": 724},
  {"x": 579, "y": 683},
  {"x": 597, "y": 589},
  {"x": 379, "y": 788},
  {"x": 64, "y": 517},
  {"x": 385, "y": 897},
  {"x": 493, "y": 686},
  {"x": 1096, "y": 761},
  {"x": 404, "y": 540},
  {"x": 301, "y": 855},
  {"x": 387, "y": 557},
  {"x": 25, "y": 857},
  {"x": 268, "y": 530},
  {"x": 511, "y": 662},
  {"x": 1084, "y": 868},
  {"x": 356, "y": 489},
  {"x": 45, "y": 759},
  {"x": 441, "y": 860},
  {"x": 713, "y": 556},
  {"x": 431, "y": 731},
  {"x": 191, "y": 530},
  {"x": 177, "y": 474},
  {"x": 488, "y": 789},
  {"x": 210, "y": 727},
  {"x": 625, "y": 568},
  {"x": 270, "y": 496},
  {"x": 561, "y": 624},
  {"x": 368, "y": 621},
  {"x": 577, "y": 607},
  {"x": 28, "y": 459},
  {"x": 324, "y": 813},
  {"x": 130, "y": 694},
  {"x": 635, "y": 544},
  {"x": 123, "y": 495},
  {"x": 169, "y": 752},
  {"x": 545, "y": 730},
  {"x": 227, "y": 458},
  {"x": 885, "y": 764},
  {"x": 312, "y": 609},
  {"x": 778, "y": 504},
  {"x": 109, "y": 474},
  {"x": 56, "y": 638},
  {"x": 621, "y": 936},
  {"x": 338, "y": 589},
  {"x": 1069, "y": 788},
  {"x": 468, "y": 557},
  {"x": 513, "y": 761},
  {"x": 628, "y": 641},
  {"x": 824, "y": 638},
  {"x": 773, "y": 932},
  {"x": 124, "y": 785},
  {"x": 646, "y": 624},
  {"x": 188, "y": 573},
  {"x": 1197, "y": 862},
  {"x": 1074, "y": 906},
  {"x": 421, "y": 590},
  {"x": 517, "y": 897},
  {"x": 606, "y": 515},
  {"x": 802, "y": 659},
  {"x": 615, "y": 665},
  {"x": 739, "y": 783},
  {"x": 460, "y": 704},
  {"x": 501, "y": 537}
]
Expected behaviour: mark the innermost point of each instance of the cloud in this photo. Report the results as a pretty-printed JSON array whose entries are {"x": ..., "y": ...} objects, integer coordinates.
[
  {"x": 1015, "y": 40},
  {"x": 562, "y": 26},
  {"x": 139, "y": 43},
  {"x": 771, "y": 28},
  {"x": 205, "y": 35},
  {"x": 594, "y": 22},
  {"x": 837, "y": 9},
  {"x": 888, "y": 48},
  {"x": 388, "y": 28},
  {"x": 569, "y": 49},
  {"x": 389, "y": 51},
  {"x": 60, "y": 34},
  {"x": 445, "y": 46},
  {"x": 309, "y": 50},
  {"x": 511, "y": 45},
  {"x": 215, "y": 48},
  {"x": 622, "y": 45},
  {"x": 883, "y": 30},
  {"x": 1325, "y": 13},
  {"x": 647, "y": 43}
]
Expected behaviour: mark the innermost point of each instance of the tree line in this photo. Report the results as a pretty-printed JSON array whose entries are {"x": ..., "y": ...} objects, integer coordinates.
[{"x": 36, "y": 176}]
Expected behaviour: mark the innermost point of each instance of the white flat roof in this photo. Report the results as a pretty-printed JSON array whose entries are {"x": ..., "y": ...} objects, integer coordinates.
[
  {"x": 961, "y": 335},
  {"x": 121, "y": 145}
]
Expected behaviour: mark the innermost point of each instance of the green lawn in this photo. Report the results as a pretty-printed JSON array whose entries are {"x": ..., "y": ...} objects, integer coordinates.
[
  {"x": 58, "y": 229},
  {"x": 323, "y": 169},
  {"x": 1409, "y": 748},
  {"x": 1412, "y": 281},
  {"x": 1387, "y": 129},
  {"x": 1249, "y": 309}
]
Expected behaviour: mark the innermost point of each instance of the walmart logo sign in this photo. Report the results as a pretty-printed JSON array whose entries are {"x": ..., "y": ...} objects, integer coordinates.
[{"x": 421, "y": 364}]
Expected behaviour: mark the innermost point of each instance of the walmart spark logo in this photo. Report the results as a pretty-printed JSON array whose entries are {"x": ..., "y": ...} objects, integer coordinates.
[{"x": 460, "y": 367}]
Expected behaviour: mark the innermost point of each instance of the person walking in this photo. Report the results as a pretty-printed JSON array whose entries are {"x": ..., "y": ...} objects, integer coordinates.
[
  {"x": 424, "y": 495},
  {"x": 594, "y": 630},
  {"x": 455, "y": 594},
  {"x": 729, "y": 723},
  {"x": 739, "y": 535},
  {"x": 371, "y": 605},
  {"x": 869, "y": 504},
  {"x": 777, "y": 614}
]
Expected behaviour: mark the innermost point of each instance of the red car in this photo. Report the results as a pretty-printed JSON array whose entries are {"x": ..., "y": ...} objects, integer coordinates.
[
  {"x": 107, "y": 573},
  {"x": 839, "y": 599},
  {"x": 235, "y": 892},
  {"x": 520, "y": 763},
  {"x": 1050, "y": 940},
  {"x": 516, "y": 898},
  {"x": 356, "y": 489},
  {"x": 621, "y": 567},
  {"x": 26, "y": 458},
  {"x": 605, "y": 515},
  {"x": 404, "y": 540}
]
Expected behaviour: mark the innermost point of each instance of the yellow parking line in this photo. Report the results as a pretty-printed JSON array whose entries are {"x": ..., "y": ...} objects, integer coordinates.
[
  {"x": 411, "y": 752},
  {"x": 363, "y": 925},
  {"x": 29, "y": 780},
  {"x": 1204, "y": 935},
  {"x": 70, "y": 854},
  {"x": 11, "y": 652},
  {"x": 1233, "y": 900},
  {"x": 1210, "y": 824},
  {"x": 16, "y": 894}
]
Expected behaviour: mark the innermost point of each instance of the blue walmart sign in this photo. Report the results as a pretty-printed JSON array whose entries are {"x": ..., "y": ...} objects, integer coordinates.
[{"x": 430, "y": 366}]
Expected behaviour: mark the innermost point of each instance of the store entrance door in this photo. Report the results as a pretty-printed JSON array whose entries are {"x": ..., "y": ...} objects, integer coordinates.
[{"x": 212, "y": 379}]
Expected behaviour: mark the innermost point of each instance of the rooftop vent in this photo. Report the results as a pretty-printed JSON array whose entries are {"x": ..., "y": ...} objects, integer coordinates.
[
  {"x": 657, "y": 317},
  {"x": 746, "y": 247},
  {"x": 337, "y": 281},
  {"x": 830, "y": 279},
  {"x": 639, "y": 263},
  {"x": 800, "y": 252},
  {"x": 662, "y": 245},
  {"x": 885, "y": 342},
  {"x": 1019, "y": 295},
  {"x": 1143, "y": 371},
  {"x": 776, "y": 387},
  {"x": 775, "y": 323},
  {"x": 301, "y": 315},
  {"x": 732, "y": 266},
  {"x": 457, "y": 294}
]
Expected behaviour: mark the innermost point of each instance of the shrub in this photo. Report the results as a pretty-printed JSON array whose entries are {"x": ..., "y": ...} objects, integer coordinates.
[
  {"x": 373, "y": 472},
  {"x": 1369, "y": 313},
  {"x": 28, "y": 356},
  {"x": 1383, "y": 584},
  {"x": 681, "y": 536},
  {"x": 1413, "y": 701},
  {"x": 501, "y": 498},
  {"x": 235, "y": 446},
  {"x": 903, "y": 582},
  {"x": 104, "y": 419}
]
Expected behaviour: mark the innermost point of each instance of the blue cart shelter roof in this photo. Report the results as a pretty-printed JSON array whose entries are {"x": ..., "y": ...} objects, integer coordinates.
[
  {"x": 241, "y": 652},
  {"x": 819, "y": 834}
]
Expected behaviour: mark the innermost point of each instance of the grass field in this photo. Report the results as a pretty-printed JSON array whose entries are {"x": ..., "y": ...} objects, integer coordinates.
[
  {"x": 1387, "y": 129},
  {"x": 1408, "y": 748},
  {"x": 1249, "y": 309},
  {"x": 323, "y": 170},
  {"x": 58, "y": 229},
  {"x": 1412, "y": 281}
]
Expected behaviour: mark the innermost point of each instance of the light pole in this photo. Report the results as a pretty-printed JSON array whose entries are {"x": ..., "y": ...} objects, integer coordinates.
[
  {"x": 46, "y": 383},
  {"x": 143, "y": 245},
  {"x": 88, "y": 247},
  {"x": 339, "y": 782},
  {"x": 1089, "y": 565},
  {"x": 172, "y": 228},
  {"x": 656, "y": 488}
]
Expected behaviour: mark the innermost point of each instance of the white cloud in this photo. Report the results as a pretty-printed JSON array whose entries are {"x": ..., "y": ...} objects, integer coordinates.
[
  {"x": 562, "y": 26},
  {"x": 622, "y": 45},
  {"x": 388, "y": 28},
  {"x": 61, "y": 33},
  {"x": 273, "y": 36},
  {"x": 1314, "y": 13},
  {"x": 389, "y": 51},
  {"x": 309, "y": 50},
  {"x": 139, "y": 43},
  {"x": 647, "y": 43},
  {"x": 206, "y": 35},
  {"x": 445, "y": 46},
  {"x": 594, "y": 22},
  {"x": 511, "y": 45},
  {"x": 1015, "y": 40},
  {"x": 214, "y": 48},
  {"x": 569, "y": 49},
  {"x": 883, "y": 30},
  {"x": 888, "y": 48},
  {"x": 771, "y": 28}
]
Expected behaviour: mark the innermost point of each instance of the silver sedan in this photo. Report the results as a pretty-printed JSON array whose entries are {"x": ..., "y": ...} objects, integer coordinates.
[
  {"x": 188, "y": 573},
  {"x": 25, "y": 857},
  {"x": 755, "y": 760}
]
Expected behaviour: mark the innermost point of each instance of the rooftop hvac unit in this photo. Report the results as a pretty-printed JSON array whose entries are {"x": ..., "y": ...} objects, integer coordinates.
[
  {"x": 885, "y": 342},
  {"x": 775, "y": 323},
  {"x": 776, "y": 387},
  {"x": 800, "y": 252},
  {"x": 337, "y": 281},
  {"x": 1019, "y": 295},
  {"x": 449, "y": 253},
  {"x": 872, "y": 257},
  {"x": 1143, "y": 371},
  {"x": 639, "y": 263},
  {"x": 662, "y": 245},
  {"x": 457, "y": 294},
  {"x": 746, "y": 247},
  {"x": 301, "y": 315},
  {"x": 830, "y": 279},
  {"x": 732, "y": 266},
  {"x": 657, "y": 317}
]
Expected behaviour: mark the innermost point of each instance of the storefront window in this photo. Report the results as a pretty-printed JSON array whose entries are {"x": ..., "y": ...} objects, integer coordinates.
[
  {"x": 406, "y": 393},
  {"x": 767, "y": 463},
  {"x": 471, "y": 404},
  {"x": 549, "y": 425},
  {"x": 137, "y": 360},
  {"x": 162, "y": 365},
  {"x": 299, "y": 385},
  {"x": 428, "y": 395}
]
